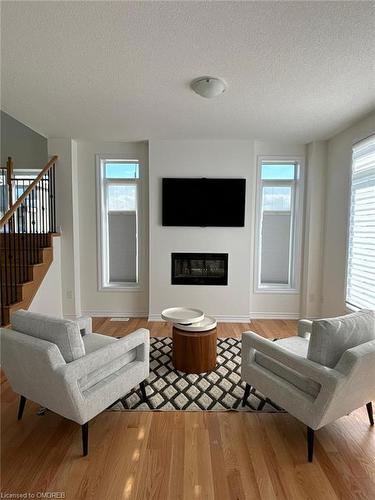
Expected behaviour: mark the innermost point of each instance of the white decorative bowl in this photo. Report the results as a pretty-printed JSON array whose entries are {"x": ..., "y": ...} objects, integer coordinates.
[
  {"x": 182, "y": 315},
  {"x": 208, "y": 323}
]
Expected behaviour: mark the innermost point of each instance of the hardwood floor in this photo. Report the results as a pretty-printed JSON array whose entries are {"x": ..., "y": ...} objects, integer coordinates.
[{"x": 181, "y": 455}]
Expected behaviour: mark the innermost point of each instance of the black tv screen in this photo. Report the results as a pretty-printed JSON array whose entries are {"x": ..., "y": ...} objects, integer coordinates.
[{"x": 203, "y": 202}]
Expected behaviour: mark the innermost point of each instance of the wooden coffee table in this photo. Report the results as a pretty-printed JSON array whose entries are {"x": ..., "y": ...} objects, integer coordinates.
[
  {"x": 194, "y": 352},
  {"x": 194, "y": 339}
]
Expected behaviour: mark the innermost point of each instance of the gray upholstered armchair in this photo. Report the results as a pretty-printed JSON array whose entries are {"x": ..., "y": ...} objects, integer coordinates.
[
  {"x": 322, "y": 374},
  {"x": 66, "y": 368}
]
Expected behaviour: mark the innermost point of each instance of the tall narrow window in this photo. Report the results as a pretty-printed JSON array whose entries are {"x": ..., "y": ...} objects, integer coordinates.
[
  {"x": 360, "y": 276},
  {"x": 279, "y": 220},
  {"x": 119, "y": 186}
]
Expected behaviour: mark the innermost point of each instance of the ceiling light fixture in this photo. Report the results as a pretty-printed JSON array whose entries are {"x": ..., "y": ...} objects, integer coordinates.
[{"x": 208, "y": 86}]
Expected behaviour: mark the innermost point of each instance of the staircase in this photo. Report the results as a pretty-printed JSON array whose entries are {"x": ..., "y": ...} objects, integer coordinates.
[{"x": 27, "y": 229}]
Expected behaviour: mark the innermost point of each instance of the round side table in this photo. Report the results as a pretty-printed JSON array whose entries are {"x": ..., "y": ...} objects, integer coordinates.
[{"x": 194, "y": 346}]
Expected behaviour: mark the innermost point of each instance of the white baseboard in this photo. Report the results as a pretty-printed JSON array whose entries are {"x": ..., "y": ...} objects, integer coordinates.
[
  {"x": 154, "y": 317},
  {"x": 72, "y": 316},
  {"x": 223, "y": 318},
  {"x": 220, "y": 318},
  {"x": 112, "y": 314},
  {"x": 274, "y": 315}
]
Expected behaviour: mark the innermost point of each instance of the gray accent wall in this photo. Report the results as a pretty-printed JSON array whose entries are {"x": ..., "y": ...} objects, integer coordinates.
[{"x": 27, "y": 148}]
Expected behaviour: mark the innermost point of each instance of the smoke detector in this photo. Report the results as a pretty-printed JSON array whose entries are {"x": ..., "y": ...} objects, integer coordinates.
[{"x": 208, "y": 86}]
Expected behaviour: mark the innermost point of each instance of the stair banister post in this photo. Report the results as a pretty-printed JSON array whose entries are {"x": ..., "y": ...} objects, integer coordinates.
[{"x": 10, "y": 165}]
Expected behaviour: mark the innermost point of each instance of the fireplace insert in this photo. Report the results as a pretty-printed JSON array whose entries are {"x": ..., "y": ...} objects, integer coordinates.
[{"x": 199, "y": 269}]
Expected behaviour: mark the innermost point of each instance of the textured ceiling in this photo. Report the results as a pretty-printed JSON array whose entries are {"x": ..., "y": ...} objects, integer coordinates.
[{"x": 296, "y": 71}]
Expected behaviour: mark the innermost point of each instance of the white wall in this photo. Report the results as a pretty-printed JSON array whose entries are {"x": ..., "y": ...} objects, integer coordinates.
[
  {"x": 113, "y": 303},
  {"x": 48, "y": 298},
  {"x": 326, "y": 214},
  {"x": 336, "y": 218},
  {"x": 315, "y": 192},
  {"x": 212, "y": 159},
  {"x": 67, "y": 208},
  {"x": 199, "y": 159}
]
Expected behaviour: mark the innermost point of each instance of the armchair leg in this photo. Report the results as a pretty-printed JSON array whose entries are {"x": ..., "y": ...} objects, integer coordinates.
[
  {"x": 143, "y": 391},
  {"x": 85, "y": 438},
  {"x": 310, "y": 444},
  {"x": 246, "y": 394},
  {"x": 21, "y": 407},
  {"x": 370, "y": 413}
]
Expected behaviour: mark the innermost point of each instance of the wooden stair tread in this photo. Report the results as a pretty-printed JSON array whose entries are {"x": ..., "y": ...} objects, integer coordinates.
[
  {"x": 23, "y": 283},
  {"x": 23, "y": 291}
]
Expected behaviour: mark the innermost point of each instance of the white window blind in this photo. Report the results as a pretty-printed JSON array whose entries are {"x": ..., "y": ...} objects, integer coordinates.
[{"x": 360, "y": 285}]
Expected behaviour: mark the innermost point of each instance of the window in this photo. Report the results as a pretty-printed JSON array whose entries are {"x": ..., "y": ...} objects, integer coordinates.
[
  {"x": 360, "y": 275},
  {"x": 278, "y": 224},
  {"x": 118, "y": 213}
]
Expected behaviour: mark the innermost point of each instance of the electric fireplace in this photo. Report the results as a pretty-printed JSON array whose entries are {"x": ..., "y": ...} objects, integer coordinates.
[{"x": 199, "y": 269}]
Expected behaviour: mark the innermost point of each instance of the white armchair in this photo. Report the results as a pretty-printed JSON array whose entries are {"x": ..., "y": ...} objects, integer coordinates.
[
  {"x": 66, "y": 368},
  {"x": 322, "y": 374}
]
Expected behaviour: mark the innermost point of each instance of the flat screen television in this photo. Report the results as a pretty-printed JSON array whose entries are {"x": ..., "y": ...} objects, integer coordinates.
[{"x": 203, "y": 202}]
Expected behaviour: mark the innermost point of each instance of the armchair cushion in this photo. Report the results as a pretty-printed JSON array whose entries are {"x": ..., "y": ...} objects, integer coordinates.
[
  {"x": 106, "y": 371},
  {"x": 62, "y": 332},
  {"x": 296, "y": 345},
  {"x": 330, "y": 338},
  {"x": 110, "y": 360},
  {"x": 95, "y": 341}
]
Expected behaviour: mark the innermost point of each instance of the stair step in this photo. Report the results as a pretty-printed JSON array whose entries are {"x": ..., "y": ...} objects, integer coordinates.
[
  {"x": 13, "y": 261},
  {"x": 10, "y": 295},
  {"x": 7, "y": 289},
  {"x": 21, "y": 292},
  {"x": 11, "y": 266},
  {"x": 16, "y": 257},
  {"x": 17, "y": 241},
  {"x": 19, "y": 275},
  {"x": 8, "y": 310},
  {"x": 27, "y": 278},
  {"x": 22, "y": 250}
]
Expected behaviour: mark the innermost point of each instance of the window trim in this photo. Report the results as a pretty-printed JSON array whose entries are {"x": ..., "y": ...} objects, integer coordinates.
[
  {"x": 297, "y": 211},
  {"x": 101, "y": 182}
]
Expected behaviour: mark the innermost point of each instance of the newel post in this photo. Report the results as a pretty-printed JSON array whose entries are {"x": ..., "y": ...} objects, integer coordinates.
[{"x": 10, "y": 165}]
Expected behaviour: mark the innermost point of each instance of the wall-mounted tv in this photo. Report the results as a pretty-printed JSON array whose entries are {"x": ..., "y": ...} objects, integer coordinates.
[{"x": 203, "y": 202}]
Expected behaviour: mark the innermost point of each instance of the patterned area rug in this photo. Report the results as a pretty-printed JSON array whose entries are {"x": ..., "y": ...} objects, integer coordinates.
[{"x": 169, "y": 389}]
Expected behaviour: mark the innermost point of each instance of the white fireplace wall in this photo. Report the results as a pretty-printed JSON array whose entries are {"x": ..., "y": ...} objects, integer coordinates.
[
  {"x": 211, "y": 158},
  {"x": 199, "y": 159}
]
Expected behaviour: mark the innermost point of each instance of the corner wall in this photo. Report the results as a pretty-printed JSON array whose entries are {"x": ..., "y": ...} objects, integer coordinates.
[
  {"x": 67, "y": 209},
  {"x": 337, "y": 213},
  {"x": 108, "y": 303},
  {"x": 315, "y": 194},
  {"x": 271, "y": 305}
]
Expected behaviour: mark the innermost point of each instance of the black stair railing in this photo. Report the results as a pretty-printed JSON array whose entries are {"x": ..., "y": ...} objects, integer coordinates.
[
  {"x": 3, "y": 191},
  {"x": 25, "y": 230}
]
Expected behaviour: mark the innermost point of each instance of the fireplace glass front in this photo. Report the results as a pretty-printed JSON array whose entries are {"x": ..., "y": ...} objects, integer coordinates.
[{"x": 199, "y": 269}]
